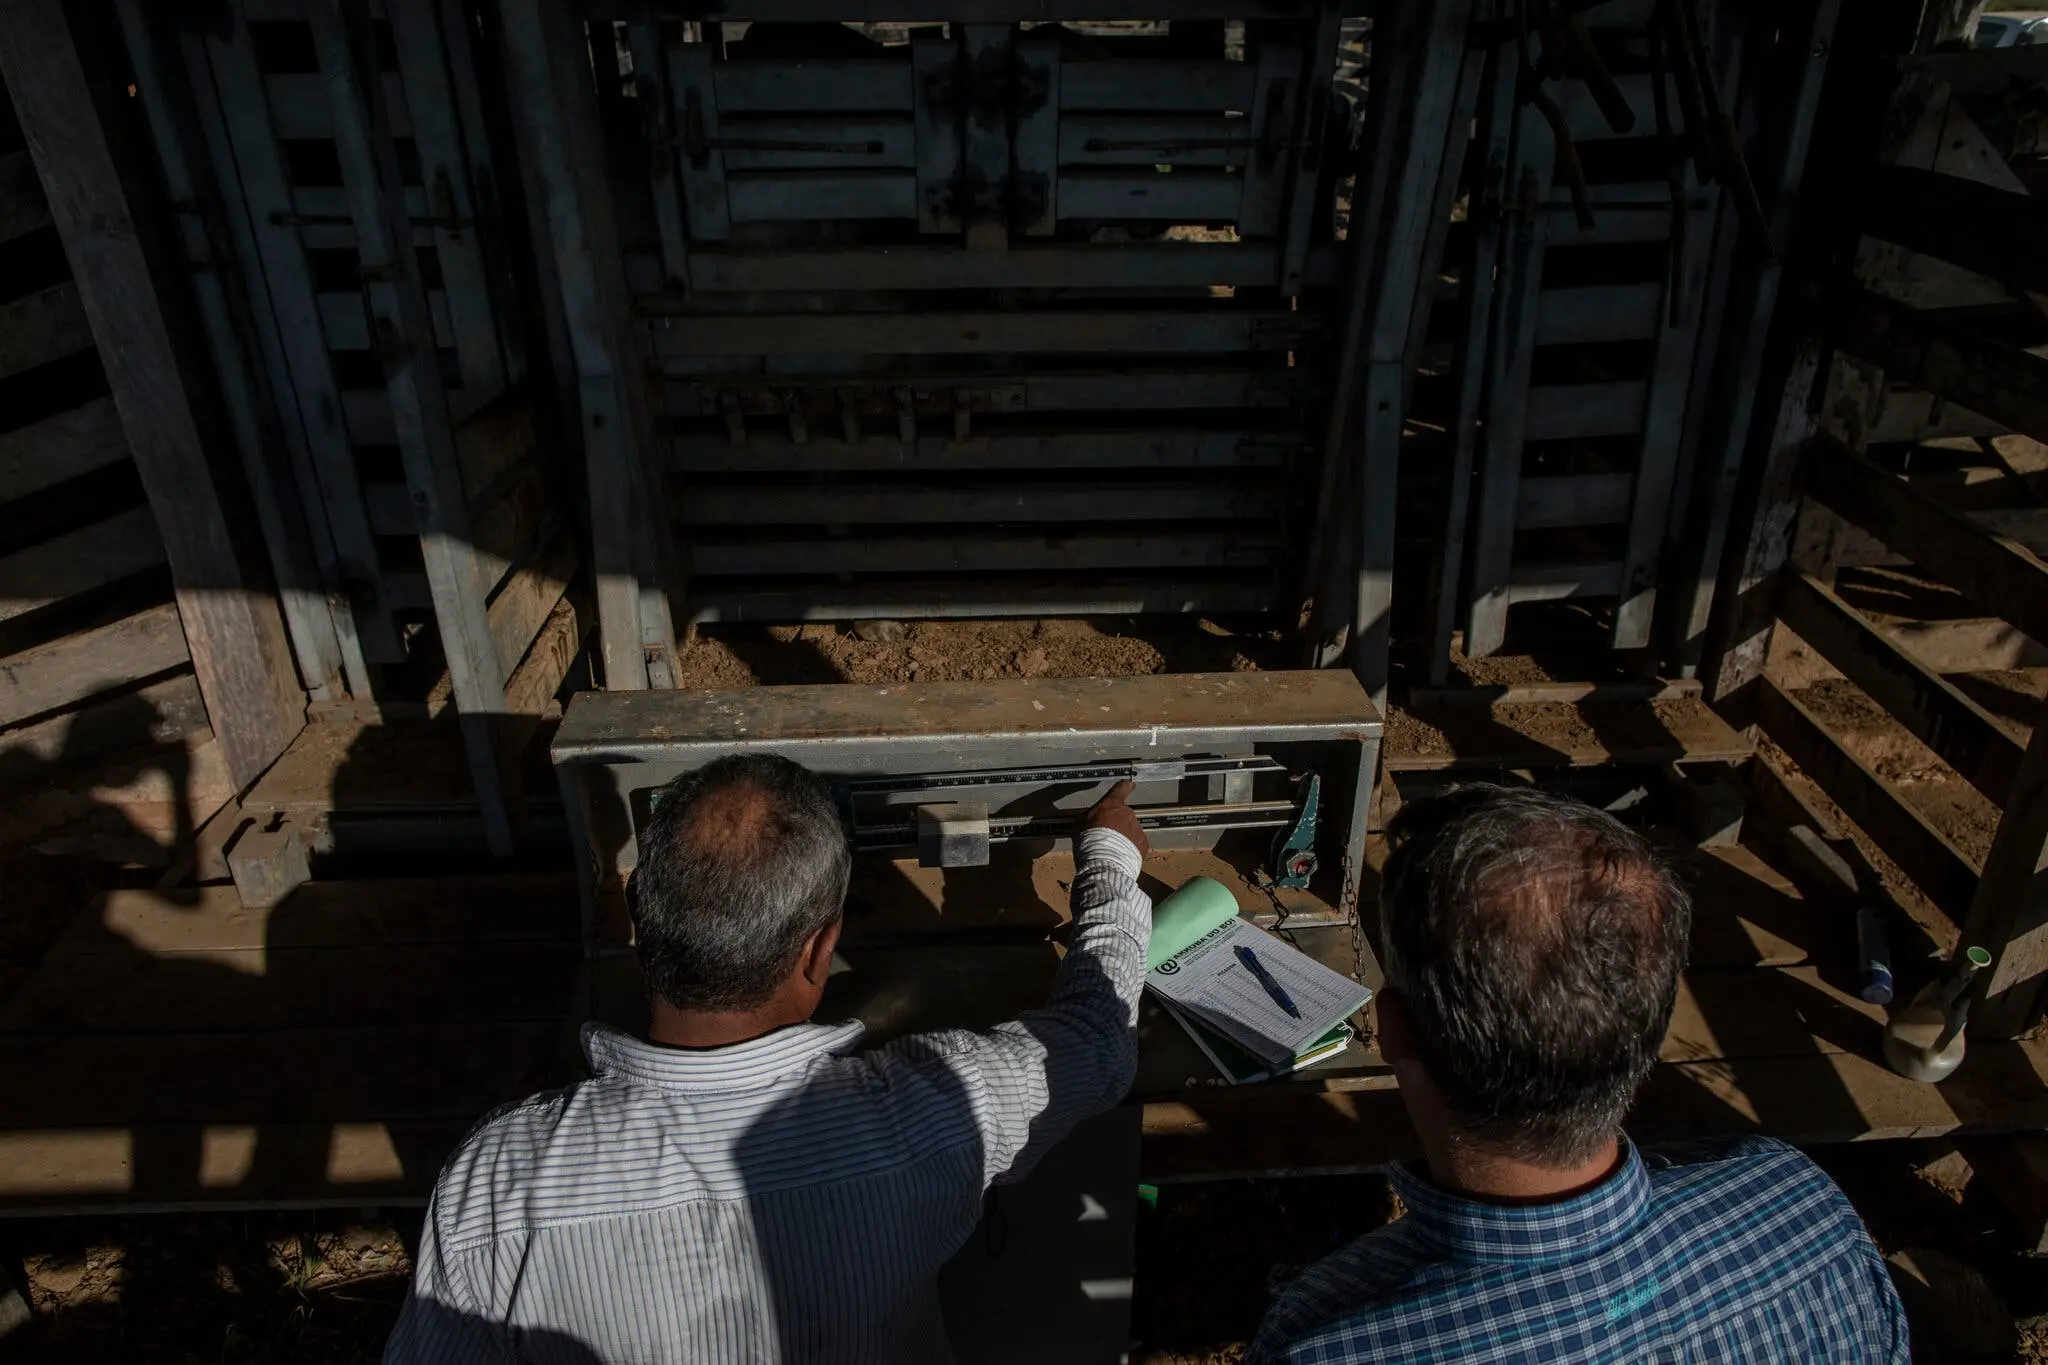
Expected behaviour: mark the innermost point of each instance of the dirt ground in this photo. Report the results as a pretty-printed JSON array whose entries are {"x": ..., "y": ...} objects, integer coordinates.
[{"x": 324, "y": 1288}]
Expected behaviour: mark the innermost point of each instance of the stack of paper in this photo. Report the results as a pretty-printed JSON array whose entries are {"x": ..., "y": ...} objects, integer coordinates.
[{"x": 1256, "y": 1006}]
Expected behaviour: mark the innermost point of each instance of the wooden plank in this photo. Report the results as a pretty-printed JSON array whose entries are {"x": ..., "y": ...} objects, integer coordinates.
[
  {"x": 458, "y": 574},
  {"x": 1997, "y": 573},
  {"x": 2009, "y": 914},
  {"x": 935, "y": 112},
  {"x": 2002, "y": 382},
  {"x": 1543, "y": 582},
  {"x": 955, "y": 597},
  {"x": 658, "y": 127},
  {"x": 22, "y": 207},
  {"x": 1942, "y": 871},
  {"x": 1183, "y": 197},
  {"x": 1184, "y": 449},
  {"x": 815, "y": 85},
  {"x": 345, "y": 325},
  {"x": 1982, "y": 228},
  {"x": 1263, "y": 209},
  {"x": 866, "y": 504},
  {"x": 1573, "y": 500},
  {"x": 701, "y": 160},
  {"x": 238, "y": 647},
  {"x": 530, "y": 691},
  {"x": 66, "y": 446},
  {"x": 1141, "y": 86},
  {"x": 799, "y": 197},
  {"x": 1593, "y": 313},
  {"x": 1586, "y": 123},
  {"x": 79, "y": 561},
  {"x": 1522, "y": 694},
  {"x": 973, "y": 333},
  {"x": 525, "y": 601},
  {"x": 1558, "y": 412},
  {"x": 985, "y": 133},
  {"x": 1035, "y": 143},
  {"x": 1514, "y": 411},
  {"x": 831, "y": 142},
  {"x": 991, "y": 553},
  {"x": 1302, "y": 226},
  {"x": 75, "y": 667},
  {"x": 1066, "y": 266},
  {"x": 166, "y": 712},
  {"x": 1155, "y": 140},
  {"x": 40, "y": 327},
  {"x": 1966, "y": 736}
]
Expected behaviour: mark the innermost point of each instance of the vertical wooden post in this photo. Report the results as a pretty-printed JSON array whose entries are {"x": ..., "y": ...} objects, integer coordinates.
[
  {"x": 2009, "y": 914},
  {"x": 554, "y": 106},
  {"x": 236, "y": 637}
]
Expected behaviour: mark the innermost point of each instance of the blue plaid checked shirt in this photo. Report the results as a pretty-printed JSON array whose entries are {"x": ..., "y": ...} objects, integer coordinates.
[{"x": 1739, "y": 1251}]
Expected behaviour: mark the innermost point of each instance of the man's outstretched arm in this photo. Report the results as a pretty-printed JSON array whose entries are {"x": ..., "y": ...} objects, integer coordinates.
[{"x": 1028, "y": 1082}]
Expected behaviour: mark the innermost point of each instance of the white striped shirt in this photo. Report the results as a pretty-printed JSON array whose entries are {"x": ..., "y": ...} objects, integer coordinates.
[{"x": 787, "y": 1198}]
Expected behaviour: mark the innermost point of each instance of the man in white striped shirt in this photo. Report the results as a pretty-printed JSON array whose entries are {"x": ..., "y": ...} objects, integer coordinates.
[{"x": 744, "y": 1185}]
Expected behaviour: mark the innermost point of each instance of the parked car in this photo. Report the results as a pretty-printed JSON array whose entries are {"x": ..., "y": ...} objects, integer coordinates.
[{"x": 2012, "y": 28}]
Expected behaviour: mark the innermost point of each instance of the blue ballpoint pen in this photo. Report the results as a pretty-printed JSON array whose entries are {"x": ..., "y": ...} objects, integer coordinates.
[{"x": 1273, "y": 988}]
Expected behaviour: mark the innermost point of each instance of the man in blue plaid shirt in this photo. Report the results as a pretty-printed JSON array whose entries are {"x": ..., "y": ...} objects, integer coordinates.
[{"x": 1533, "y": 947}]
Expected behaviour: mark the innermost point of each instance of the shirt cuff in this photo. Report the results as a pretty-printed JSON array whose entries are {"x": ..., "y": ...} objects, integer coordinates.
[{"x": 1109, "y": 846}]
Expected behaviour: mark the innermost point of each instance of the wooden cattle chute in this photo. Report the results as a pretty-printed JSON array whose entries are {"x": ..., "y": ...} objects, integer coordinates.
[{"x": 1930, "y": 365}]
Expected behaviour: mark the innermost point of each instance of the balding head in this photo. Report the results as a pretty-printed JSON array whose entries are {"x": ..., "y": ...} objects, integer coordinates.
[
  {"x": 741, "y": 863},
  {"x": 1536, "y": 944}
]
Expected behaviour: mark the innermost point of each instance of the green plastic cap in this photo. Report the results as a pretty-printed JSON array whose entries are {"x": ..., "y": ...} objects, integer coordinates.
[{"x": 1978, "y": 957}]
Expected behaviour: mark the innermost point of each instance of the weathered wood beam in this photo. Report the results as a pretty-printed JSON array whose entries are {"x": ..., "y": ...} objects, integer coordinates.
[
  {"x": 1942, "y": 717},
  {"x": 1941, "y": 870},
  {"x": 1997, "y": 574},
  {"x": 74, "y": 668},
  {"x": 238, "y": 646},
  {"x": 1998, "y": 381},
  {"x": 1978, "y": 227}
]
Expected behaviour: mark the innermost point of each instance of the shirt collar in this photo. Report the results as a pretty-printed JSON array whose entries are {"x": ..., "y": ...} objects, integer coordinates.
[
  {"x": 716, "y": 1068},
  {"x": 1472, "y": 1230}
]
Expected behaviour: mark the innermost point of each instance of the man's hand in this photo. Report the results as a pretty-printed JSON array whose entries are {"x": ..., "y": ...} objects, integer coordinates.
[{"x": 1111, "y": 812}]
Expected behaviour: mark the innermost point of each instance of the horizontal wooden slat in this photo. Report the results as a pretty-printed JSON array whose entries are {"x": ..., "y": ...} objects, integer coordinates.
[
  {"x": 986, "y": 554},
  {"x": 828, "y": 142},
  {"x": 75, "y": 667},
  {"x": 707, "y": 454},
  {"x": 1582, "y": 114},
  {"x": 1608, "y": 312},
  {"x": 1945, "y": 719},
  {"x": 1941, "y": 870},
  {"x": 2001, "y": 382},
  {"x": 533, "y": 684},
  {"x": 814, "y": 85},
  {"x": 1559, "y": 582},
  {"x": 160, "y": 713},
  {"x": 973, "y": 333},
  {"x": 1077, "y": 266},
  {"x": 1179, "y": 198},
  {"x": 79, "y": 561},
  {"x": 807, "y": 196},
  {"x": 1573, "y": 500},
  {"x": 1997, "y": 574},
  {"x": 345, "y": 322},
  {"x": 1161, "y": 86},
  {"x": 958, "y": 597},
  {"x": 1048, "y": 391},
  {"x": 1915, "y": 415},
  {"x": 40, "y": 327},
  {"x": 1976, "y": 226},
  {"x": 1558, "y": 411},
  {"x": 300, "y": 106},
  {"x": 22, "y": 206},
  {"x": 523, "y": 603},
  {"x": 327, "y": 206},
  {"x": 65, "y": 446},
  {"x": 1185, "y": 140},
  {"x": 867, "y": 504}
]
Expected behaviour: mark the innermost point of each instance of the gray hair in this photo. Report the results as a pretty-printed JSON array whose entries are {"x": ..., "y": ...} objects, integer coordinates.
[
  {"x": 1537, "y": 944},
  {"x": 741, "y": 862}
]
